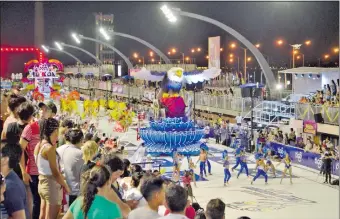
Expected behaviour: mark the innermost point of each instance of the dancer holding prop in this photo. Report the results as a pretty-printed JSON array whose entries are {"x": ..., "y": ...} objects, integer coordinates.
[
  {"x": 237, "y": 155},
  {"x": 287, "y": 161},
  {"x": 261, "y": 167}
]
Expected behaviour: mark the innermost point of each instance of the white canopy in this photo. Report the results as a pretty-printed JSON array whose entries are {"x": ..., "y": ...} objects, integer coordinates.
[{"x": 309, "y": 70}]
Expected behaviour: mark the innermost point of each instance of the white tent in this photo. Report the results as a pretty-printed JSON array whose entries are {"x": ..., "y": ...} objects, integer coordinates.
[{"x": 310, "y": 79}]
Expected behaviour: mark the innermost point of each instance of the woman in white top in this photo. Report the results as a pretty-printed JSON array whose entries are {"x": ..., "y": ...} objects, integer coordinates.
[
  {"x": 51, "y": 181},
  {"x": 134, "y": 192}
]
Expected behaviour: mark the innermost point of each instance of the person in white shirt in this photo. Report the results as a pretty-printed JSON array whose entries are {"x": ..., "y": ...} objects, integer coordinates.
[
  {"x": 176, "y": 199},
  {"x": 153, "y": 190},
  {"x": 239, "y": 119},
  {"x": 134, "y": 192}
]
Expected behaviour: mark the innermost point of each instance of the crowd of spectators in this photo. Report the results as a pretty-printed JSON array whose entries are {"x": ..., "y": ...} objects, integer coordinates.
[
  {"x": 329, "y": 96},
  {"x": 50, "y": 161}
]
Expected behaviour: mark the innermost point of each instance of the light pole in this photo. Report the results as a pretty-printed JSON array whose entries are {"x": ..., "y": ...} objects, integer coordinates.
[
  {"x": 126, "y": 59},
  {"x": 173, "y": 51},
  {"x": 47, "y": 48},
  {"x": 233, "y": 45},
  {"x": 170, "y": 15},
  {"x": 83, "y": 50},
  {"x": 162, "y": 55}
]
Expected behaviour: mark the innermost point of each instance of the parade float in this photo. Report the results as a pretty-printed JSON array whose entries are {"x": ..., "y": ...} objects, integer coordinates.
[
  {"x": 175, "y": 132},
  {"x": 43, "y": 79}
]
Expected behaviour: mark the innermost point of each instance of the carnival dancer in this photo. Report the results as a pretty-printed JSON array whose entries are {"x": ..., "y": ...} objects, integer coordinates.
[
  {"x": 261, "y": 167},
  {"x": 269, "y": 163},
  {"x": 192, "y": 167},
  {"x": 287, "y": 161},
  {"x": 237, "y": 155},
  {"x": 202, "y": 159},
  {"x": 177, "y": 160},
  {"x": 227, "y": 174},
  {"x": 243, "y": 163},
  {"x": 208, "y": 162}
]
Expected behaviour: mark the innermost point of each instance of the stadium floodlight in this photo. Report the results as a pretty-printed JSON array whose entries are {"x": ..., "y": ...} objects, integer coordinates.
[
  {"x": 75, "y": 37},
  {"x": 168, "y": 14},
  {"x": 45, "y": 48},
  {"x": 58, "y": 45},
  {"x": 104, "y": 33}
]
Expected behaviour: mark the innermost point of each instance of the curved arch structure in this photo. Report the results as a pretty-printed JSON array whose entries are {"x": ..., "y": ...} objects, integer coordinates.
[
  {"x": 67, "y": 53},
  {"x": 152, "y": 47},
  {"x": 259, "y": 57},
  {"x": 83, "y": 50},
  {"x": 126, "y": 59}
]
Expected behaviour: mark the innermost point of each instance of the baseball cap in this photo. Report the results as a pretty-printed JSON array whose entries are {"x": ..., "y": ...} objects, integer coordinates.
[{"x": 50, "y": 105}]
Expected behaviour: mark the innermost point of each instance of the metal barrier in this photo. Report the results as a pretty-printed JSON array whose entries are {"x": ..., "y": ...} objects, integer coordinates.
[{"x": 304, "y": 111}]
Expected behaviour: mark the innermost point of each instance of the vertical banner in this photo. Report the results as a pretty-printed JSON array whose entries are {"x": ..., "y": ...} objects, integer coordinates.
[
  {"x": 309, "y": 126},
  {"x": 214, "y": 52}
]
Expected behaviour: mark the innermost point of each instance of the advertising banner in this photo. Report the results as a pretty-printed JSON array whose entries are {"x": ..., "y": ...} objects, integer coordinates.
[
  {"x": 299, "y": 156},
  {"x": 214, "y": 52},
  {"x": 309, "y": 126}
]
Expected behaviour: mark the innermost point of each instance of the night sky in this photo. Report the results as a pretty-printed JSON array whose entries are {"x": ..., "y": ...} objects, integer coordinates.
[{"x": 259, "y": 22}]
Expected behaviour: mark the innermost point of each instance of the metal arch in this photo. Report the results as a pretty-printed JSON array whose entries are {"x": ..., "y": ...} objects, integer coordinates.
[
  {"x": 259, "y": 57},
  {"x": 126, "y": 59},
  {"x": 152, "y": 47},
  {"x": 83, "y": 50},
  {"x": 67, "y": 53}
]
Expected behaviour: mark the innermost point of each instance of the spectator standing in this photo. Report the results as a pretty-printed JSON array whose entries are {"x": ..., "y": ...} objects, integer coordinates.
[
  {"x": 215, "y": 209},
  {"x": 189, "y": 211},
  {"x": 134, "y": 193},
  {"x": 65, "y": 126},
  {"x": 15, "y": 202},
  {"x": 116, "y": 166},
  {"x": 292, "y": 137},
  {"x": 90, "y": 155},
  {"x": 93, "y": 203},
  {"x": 71, "y": 161},
  {"x": 13, "y": 104},
  {"x": 51, "y": 180},
  {"x": 176, "y": 199},
  {"x": 217, "y": 134},
  {"x": 153, "y": 190}
]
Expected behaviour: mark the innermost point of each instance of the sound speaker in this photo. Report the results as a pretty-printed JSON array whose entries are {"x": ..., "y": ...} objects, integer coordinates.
[{"x": 318, "y": 118}]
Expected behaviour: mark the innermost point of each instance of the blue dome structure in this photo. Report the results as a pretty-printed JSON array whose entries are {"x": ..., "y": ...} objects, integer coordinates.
[{"x": 164, "y": 137}]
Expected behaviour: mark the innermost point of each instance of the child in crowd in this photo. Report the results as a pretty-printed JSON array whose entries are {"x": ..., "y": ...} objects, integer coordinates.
[
  {"x": 134, "y": 193},
  {"x": 186, "y": 179}
]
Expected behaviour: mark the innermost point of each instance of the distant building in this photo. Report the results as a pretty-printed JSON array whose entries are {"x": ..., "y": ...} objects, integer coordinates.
[{"x": 105, "y": 54}]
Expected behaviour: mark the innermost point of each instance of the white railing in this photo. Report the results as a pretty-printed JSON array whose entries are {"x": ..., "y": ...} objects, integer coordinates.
[{"x": 305, "y": 111}]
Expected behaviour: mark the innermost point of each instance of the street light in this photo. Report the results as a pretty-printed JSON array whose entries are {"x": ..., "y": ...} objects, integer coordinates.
[
  {"x": 173, "y": 50},
  {"x": 75, "y": 37},
  {"x": 231, "y": 55},
  {"x": 326, "y": 56},
  {"x": 151, "y": 54},
  {"x": 199, "y": 49},
  {"x": 308, "y": 42},
  {"x": 279, "y": 42},
  {"x": 45, "y": 48},
  {"x": 168, "y": 14},
  {"x": 135, "y": 55},
  {"x": 58, "y": 45},
  {"x": 336, "y": 50},
  {"x": 104, "y": 33},
  {"x": 249, "y": 59},
  {"x": 257, "y": 45},
  {"x": 233, "y": 45}
]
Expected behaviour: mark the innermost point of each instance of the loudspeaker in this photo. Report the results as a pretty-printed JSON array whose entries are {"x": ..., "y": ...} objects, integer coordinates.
[{"x": 318, "y": 118}]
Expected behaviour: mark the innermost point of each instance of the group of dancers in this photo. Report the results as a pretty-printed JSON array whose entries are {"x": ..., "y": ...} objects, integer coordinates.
[{"x": 264, "y": 163}]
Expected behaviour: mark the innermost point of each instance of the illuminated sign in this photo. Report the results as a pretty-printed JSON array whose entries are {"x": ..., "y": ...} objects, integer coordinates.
[{"x": 43, "y": 70}]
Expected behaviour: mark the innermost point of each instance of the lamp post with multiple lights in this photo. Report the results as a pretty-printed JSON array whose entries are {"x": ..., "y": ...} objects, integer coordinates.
[{"x": 60, "y": 49}]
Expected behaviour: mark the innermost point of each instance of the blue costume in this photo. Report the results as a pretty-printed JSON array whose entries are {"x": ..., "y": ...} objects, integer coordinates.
[
  {"x": 243, "y": 163},
  {"x": 237, "y": 155},
  {"x": 260, "y": 171},
  {"x": 227, "y": 174},
  {"x": 202, "y": 168}
]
